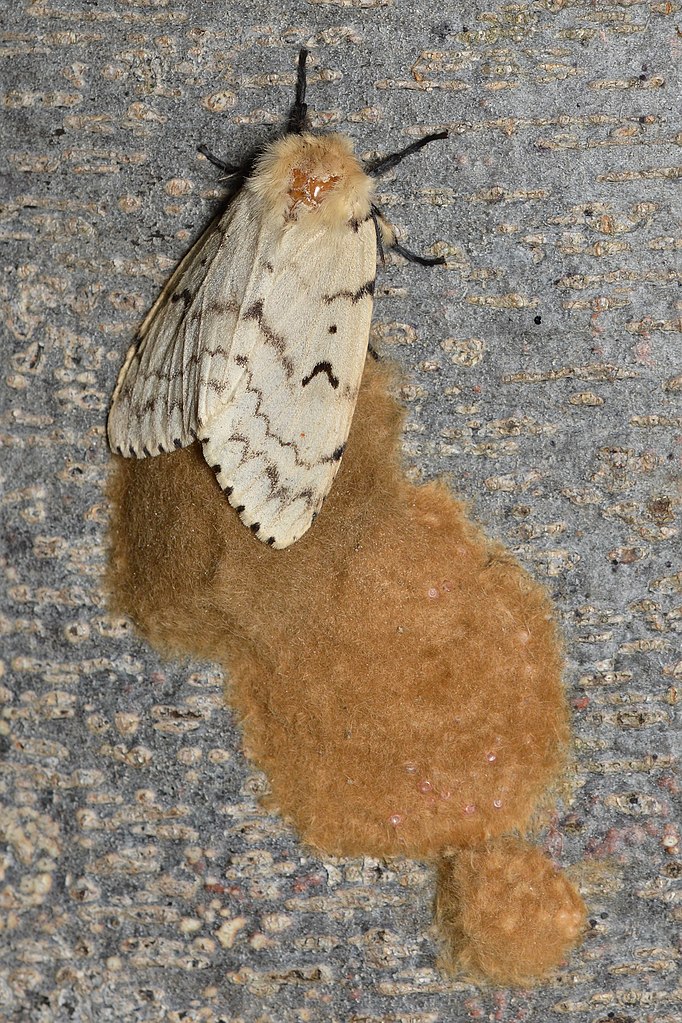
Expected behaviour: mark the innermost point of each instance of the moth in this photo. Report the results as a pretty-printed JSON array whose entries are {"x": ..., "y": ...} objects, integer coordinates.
[{"x": 256, "y": 345}]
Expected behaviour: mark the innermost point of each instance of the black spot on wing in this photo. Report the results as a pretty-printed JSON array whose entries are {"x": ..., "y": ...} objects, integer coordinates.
[
  {"x": 222, "y": 307},
  {"x": 184, "y": 296},
  {"x": 214, "y": 385},
  {"x": 321, "y": 367},
  {"x": 336, "y": 456}
]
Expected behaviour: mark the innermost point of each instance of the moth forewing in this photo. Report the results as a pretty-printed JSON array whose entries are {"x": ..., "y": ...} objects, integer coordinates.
[{"x": 301, "y": 344}]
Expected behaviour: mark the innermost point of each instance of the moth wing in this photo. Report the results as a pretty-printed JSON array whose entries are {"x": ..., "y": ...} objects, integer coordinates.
[
  {"x": 276, "y": 440},
  {"x": 155, "y": 404}
]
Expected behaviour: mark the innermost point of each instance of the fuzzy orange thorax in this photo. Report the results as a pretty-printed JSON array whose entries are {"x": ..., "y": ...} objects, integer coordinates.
[{"x": 308, "y": 190}]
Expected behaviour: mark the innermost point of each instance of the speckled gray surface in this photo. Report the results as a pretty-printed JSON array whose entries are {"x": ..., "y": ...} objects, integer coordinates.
[{"x": 139, "y": 880}]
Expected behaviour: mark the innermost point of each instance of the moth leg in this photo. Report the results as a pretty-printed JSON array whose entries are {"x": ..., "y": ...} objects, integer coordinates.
[
  {"x": 386, "y": 236},
  {"x": 387, "y": 163},
  {"x": 380, "y": 240},
  {"x": 229, "y": 168},
  {"x": 422, "y": 260}
]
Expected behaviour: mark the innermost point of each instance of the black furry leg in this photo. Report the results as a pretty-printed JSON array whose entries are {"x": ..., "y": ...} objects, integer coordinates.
[
  {"x": 405, "y": 253},
  {"x": 380, "y": 242},
  {"x": 229, "y": 168},
  {"x": 414, "y": 258}
]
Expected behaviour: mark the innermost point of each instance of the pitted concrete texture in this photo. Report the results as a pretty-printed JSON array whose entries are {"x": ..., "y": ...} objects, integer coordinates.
[{"x": 139, "y": 879}]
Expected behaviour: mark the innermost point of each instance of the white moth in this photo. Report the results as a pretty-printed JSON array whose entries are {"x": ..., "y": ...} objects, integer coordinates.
[{"x": 256, "y": 345}]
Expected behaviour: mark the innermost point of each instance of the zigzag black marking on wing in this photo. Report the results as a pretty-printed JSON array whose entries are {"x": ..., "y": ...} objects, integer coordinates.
[
  {"x": 149, "y": 330},
  {"x": 366, "y": 290},
  {"x": 160, "y": 374},
  {"x": 255, "y": 312},
  {"x": 301, "y": 463},
  {"x": 150, "y": 406},
  {"x": 283, "y": 494}
]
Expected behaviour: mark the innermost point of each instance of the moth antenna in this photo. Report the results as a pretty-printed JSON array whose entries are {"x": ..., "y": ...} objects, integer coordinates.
[
  {"x": 229, "y": 168},
  {"x": 298, "y": 118},
  {"x": 387, "y": 163},
  {"x": 385, "y": 233}
]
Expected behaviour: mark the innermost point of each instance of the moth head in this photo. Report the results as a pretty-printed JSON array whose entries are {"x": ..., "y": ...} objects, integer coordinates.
[{"x": 312, "y": 179}]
